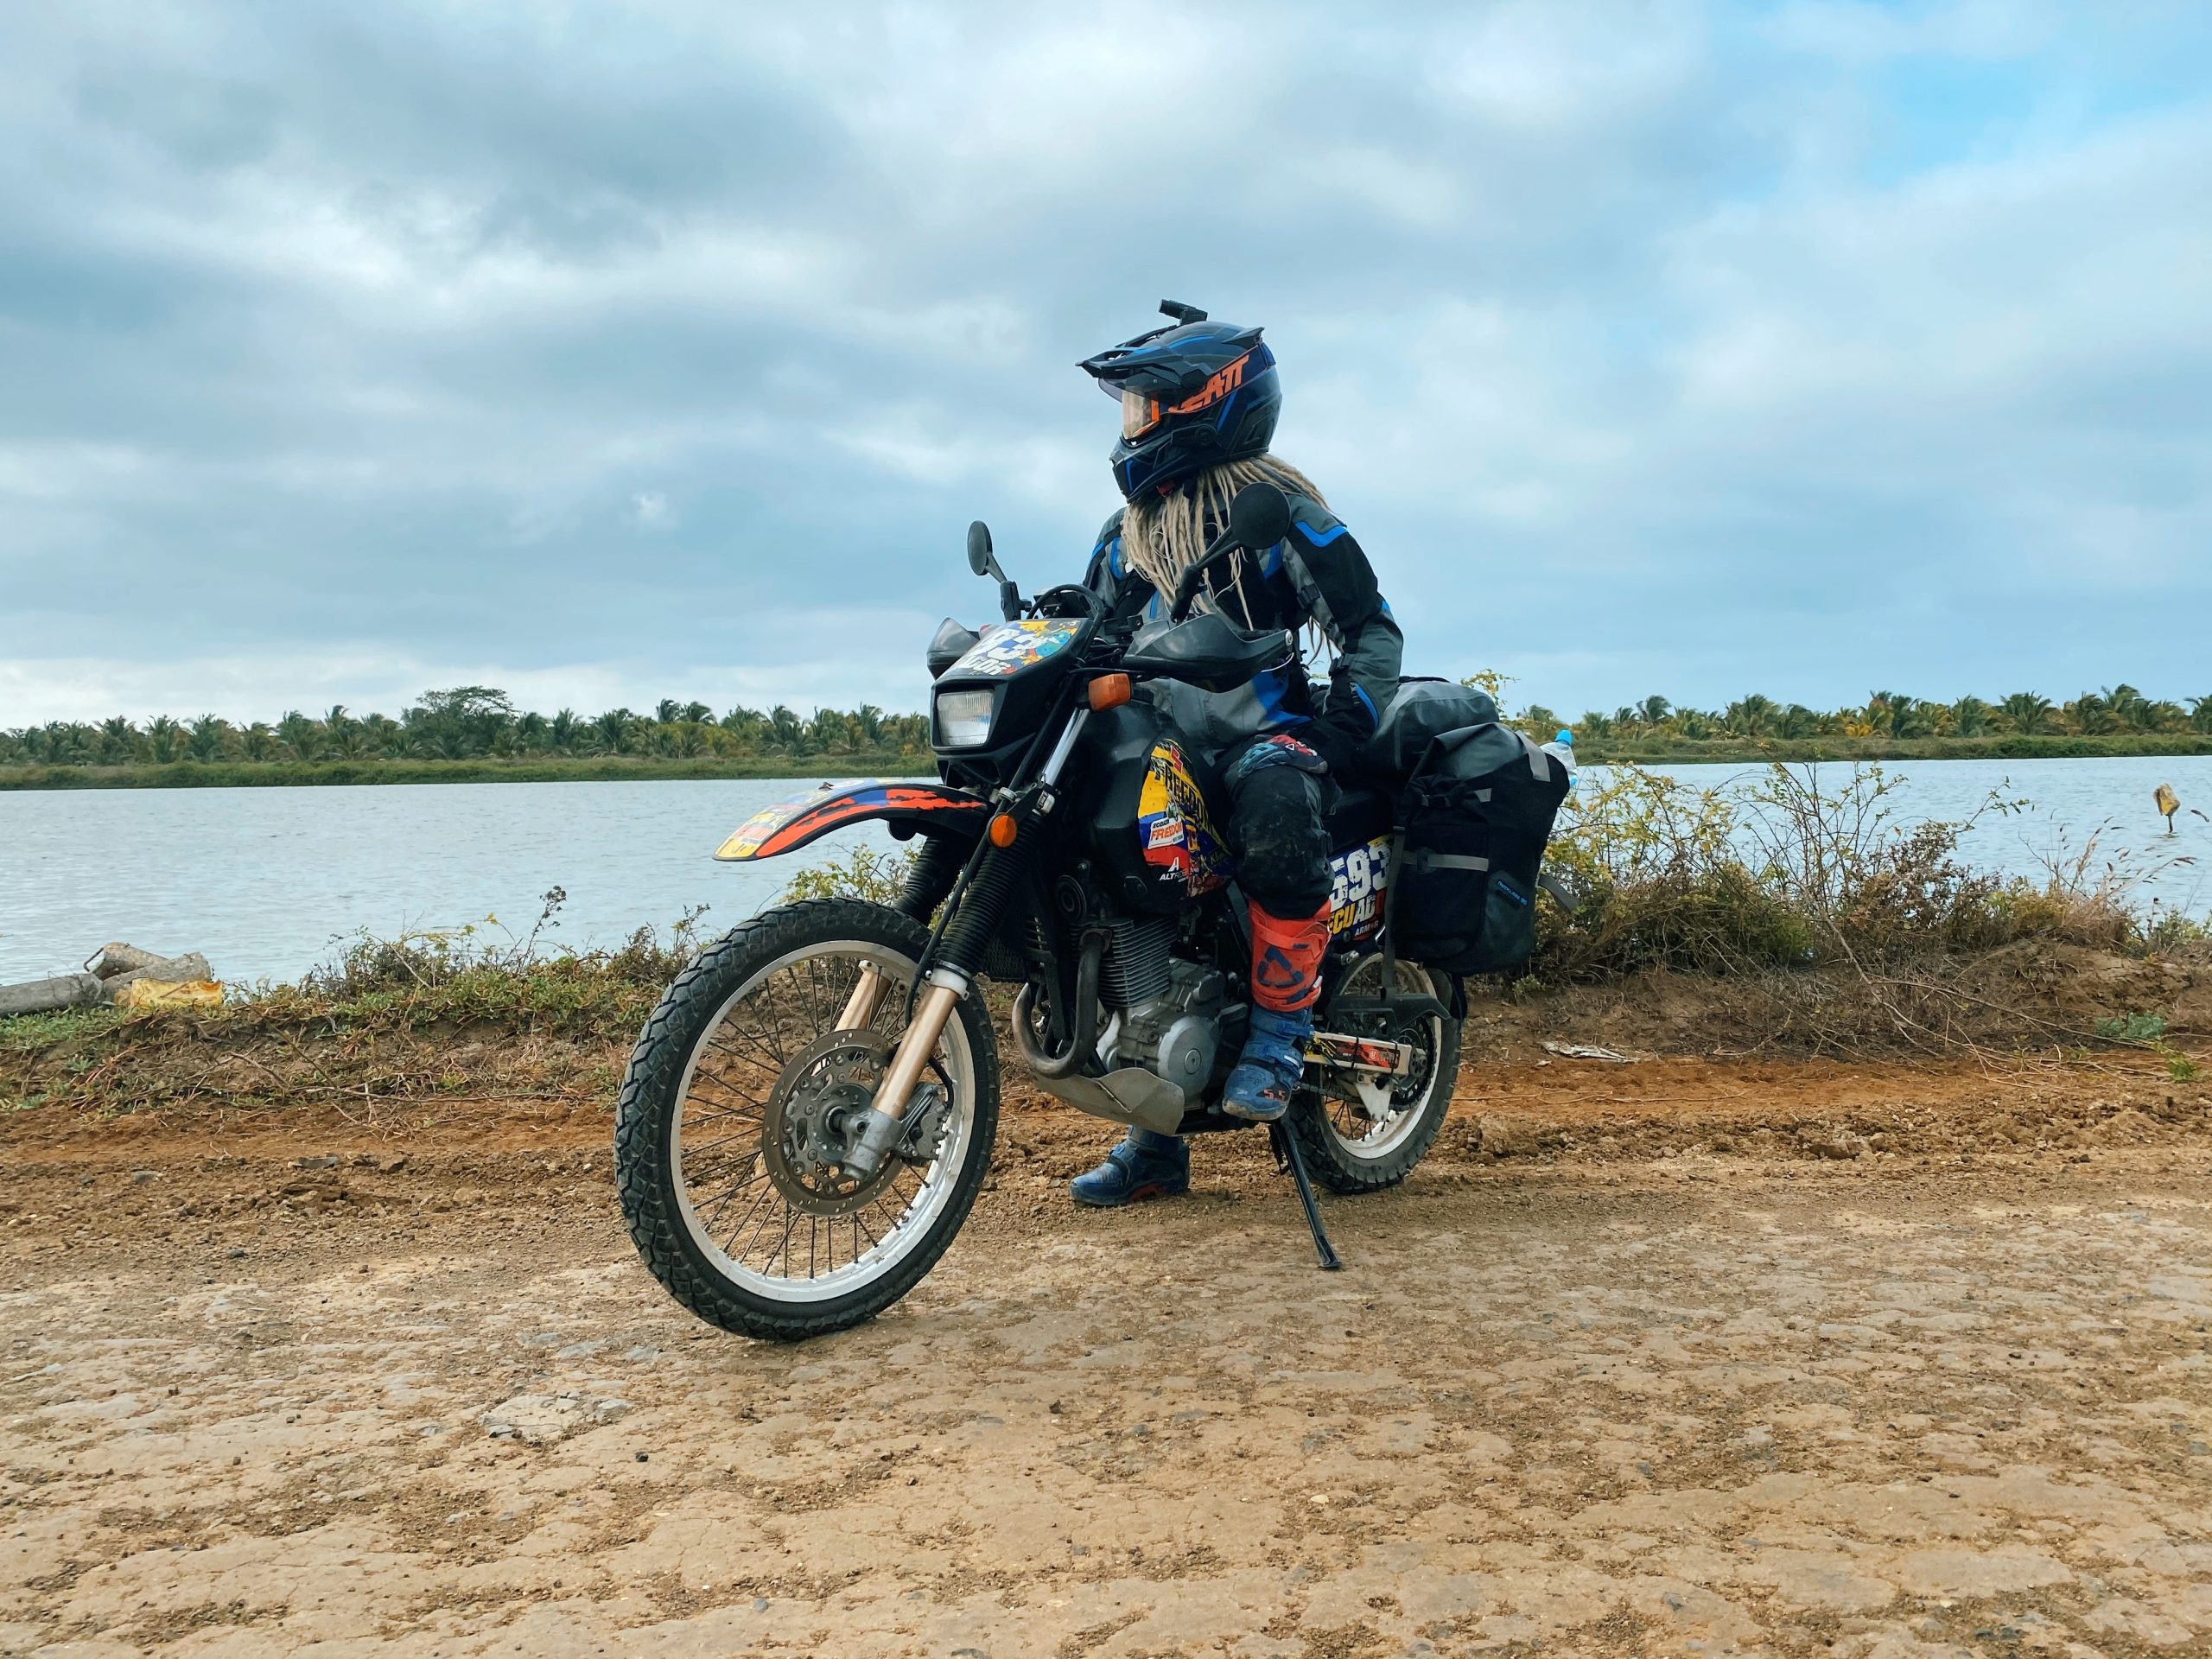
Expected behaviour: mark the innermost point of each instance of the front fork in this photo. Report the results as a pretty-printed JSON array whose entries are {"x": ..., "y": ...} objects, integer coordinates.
[{"x": 997, "y": 876}]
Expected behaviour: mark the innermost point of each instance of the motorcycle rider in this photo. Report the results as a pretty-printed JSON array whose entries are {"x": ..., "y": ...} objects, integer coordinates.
[{"x": 1200, "y": 400}]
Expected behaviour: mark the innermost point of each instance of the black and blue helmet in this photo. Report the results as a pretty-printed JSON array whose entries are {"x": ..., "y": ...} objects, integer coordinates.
[{"x": 1193, "y": 395}]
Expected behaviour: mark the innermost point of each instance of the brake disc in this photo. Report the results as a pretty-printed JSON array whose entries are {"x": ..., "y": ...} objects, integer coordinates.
[{"x": 822, "y": 1093}]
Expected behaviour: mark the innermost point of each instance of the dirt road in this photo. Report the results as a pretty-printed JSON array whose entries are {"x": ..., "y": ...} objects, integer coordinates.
[{"x": 1632, "y": 1367}]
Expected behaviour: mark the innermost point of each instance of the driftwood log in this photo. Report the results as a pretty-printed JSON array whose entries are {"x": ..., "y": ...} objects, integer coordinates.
[
  {"x": 46, "y": 996},
  {"x": 119, "y": 964},
  {"x": 114, "y": 967}
]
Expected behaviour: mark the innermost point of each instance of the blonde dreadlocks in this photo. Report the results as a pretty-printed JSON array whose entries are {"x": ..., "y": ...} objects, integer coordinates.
[{"x": 1161, "y": 539}]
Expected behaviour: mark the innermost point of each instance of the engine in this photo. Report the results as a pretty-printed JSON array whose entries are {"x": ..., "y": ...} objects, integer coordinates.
[{"x": 1174, "y": 1035}]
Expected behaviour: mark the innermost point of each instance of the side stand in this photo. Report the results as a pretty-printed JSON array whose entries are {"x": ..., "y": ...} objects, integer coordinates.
[{"x": 1288, "y": 1157}]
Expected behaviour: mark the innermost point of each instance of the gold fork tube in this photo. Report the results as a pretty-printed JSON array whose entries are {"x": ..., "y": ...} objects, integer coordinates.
[
  {"x": 885, "y": 1117},
  {"x": 860, "y": 1007},
  {"x": 915, "y": 1050}
]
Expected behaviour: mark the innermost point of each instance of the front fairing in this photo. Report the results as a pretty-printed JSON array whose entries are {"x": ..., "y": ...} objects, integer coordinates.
[{"x": 1022, "y": 665}]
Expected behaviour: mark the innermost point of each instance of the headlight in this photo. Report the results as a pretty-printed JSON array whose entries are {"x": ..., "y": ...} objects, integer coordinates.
[{"x": 963, "y": 719}]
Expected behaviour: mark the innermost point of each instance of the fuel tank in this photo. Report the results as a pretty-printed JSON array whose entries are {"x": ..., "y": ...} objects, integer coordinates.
[{"x": 1152, "y": 810}]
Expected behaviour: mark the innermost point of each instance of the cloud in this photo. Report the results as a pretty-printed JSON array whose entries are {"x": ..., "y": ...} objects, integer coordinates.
[{"x": 668, "y": 348}]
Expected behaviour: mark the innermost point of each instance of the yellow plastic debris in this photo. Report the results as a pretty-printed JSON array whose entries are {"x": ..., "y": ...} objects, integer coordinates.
[{"x": 170, "y": 994}]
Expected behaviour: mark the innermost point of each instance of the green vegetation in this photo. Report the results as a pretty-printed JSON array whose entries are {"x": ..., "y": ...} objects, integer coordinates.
[
  {"x": 474, "y": 734},
  {"x": 470, "y": 734},
  {"x": 1889, "y": 725}
]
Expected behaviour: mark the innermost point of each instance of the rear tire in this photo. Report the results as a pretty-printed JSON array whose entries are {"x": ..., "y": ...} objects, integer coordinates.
[
  {"x": 1386, "y": 1152},
  {"x": 811, "y": 944}
]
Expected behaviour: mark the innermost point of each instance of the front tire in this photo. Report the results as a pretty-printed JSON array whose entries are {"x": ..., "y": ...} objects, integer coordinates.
[{"x": 718, "y": 1148}]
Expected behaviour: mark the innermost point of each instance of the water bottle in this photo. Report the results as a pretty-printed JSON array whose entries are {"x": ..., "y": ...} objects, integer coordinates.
[{"x": 1561, "y": 749}]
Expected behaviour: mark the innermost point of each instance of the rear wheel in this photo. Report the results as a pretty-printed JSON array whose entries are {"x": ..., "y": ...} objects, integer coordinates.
[
  {"x": 1360, "y": 1138},
  {"x": 730, "y": 1128}
]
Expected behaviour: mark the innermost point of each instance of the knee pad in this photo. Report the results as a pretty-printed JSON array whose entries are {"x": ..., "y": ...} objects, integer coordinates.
[{"x": 1282, "y": 849}]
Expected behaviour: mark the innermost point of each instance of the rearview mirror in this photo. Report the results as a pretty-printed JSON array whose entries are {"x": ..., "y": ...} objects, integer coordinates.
[
  {"x": 980, "y": 560},
  {"x": 1259, "y": 517},
  {"x": 979, "y": 552}
]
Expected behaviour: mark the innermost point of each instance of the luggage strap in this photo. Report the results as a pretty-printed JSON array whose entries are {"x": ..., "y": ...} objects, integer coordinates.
[{"x": 1422, "y": 859}]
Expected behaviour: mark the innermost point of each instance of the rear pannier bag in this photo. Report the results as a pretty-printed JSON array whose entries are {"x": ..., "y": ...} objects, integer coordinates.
[
  {"x": 1473, "y": 822},
  {"x": 1422, "y": 711}
]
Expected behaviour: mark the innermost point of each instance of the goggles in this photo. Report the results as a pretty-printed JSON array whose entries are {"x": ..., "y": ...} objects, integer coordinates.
[{"x": 1142, "y": 413}]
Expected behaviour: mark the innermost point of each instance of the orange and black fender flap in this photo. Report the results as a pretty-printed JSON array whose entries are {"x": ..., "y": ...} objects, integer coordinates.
[{"x": 793, "y": 822}]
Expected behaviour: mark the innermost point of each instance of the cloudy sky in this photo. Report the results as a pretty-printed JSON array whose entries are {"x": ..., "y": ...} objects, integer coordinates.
[{"x": 609, "y": 353}]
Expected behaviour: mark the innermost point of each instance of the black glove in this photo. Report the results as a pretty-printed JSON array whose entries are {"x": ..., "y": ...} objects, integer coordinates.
[{"x": 1346, "y": 721}]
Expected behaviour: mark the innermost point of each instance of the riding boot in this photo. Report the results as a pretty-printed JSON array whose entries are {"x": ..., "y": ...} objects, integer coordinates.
[
  {"x": 1286, "y": 982},
  {"x": 1142, "y": 1165}
]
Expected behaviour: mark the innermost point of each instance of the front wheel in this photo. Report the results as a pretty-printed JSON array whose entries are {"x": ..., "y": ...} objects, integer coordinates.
[
  {"x": 1360, "y": 1138},
  {"x": 727, "y": 1135}
]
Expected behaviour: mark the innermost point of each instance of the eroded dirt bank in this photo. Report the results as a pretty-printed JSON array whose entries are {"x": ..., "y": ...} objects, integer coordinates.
[{"x": 1682, "y": 1356}]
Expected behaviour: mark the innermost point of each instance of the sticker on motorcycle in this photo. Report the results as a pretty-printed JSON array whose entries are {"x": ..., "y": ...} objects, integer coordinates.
[
  {"x": 798, "y": 819},
  {"x": 1357, "y": 878},
  {"x": 1008, "y": 647},
  {"x": 1179, "y": 839}
]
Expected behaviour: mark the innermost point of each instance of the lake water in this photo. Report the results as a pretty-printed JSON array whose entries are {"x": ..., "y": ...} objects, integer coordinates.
[{"x": 267, "y": 881}]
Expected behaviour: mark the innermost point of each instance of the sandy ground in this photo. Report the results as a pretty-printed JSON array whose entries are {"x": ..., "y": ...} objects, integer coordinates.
[{"x": 1668, "y": 1375}]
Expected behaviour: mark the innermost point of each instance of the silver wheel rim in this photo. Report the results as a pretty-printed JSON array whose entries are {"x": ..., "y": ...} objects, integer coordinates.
[
  {"x": 731, "y": 1209},
  {"x": 1383, "y": 1137}
]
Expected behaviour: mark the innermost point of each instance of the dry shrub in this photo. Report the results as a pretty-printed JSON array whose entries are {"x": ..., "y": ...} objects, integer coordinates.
[
  {"x": 473, "y": 975},
  {"x": 1784, "y": 872}
]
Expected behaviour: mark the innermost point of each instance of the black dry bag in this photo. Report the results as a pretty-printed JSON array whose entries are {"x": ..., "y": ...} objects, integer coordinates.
[{"x": 1472, "y": 822}]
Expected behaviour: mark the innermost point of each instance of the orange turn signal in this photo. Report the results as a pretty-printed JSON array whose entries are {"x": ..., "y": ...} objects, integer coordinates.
[
  {"x": 1109, "y": 691},
  {"x": 1004, "y": 829}
]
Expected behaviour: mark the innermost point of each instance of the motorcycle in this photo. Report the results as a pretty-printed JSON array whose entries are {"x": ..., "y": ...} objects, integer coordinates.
[{"x": 809, "y": 1113}]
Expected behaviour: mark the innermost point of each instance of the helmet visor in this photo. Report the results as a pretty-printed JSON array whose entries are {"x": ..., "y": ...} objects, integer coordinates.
[{"x": 1140, "y": 414}]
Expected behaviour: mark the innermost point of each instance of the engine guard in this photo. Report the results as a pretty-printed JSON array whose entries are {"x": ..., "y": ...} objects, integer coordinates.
[
  {"x": 1131, "y": 1095},
  {"x": 793, "y": 822}
]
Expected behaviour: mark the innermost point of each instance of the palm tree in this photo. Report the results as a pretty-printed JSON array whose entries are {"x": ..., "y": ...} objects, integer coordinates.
[
  {"x": 612, "y": 730},
  {"x": 562, "y": 731},
  {"x": 118, "y": 742},
  {"x": 2091, "y": 713},
  {"x": 343, "y": 733},
  {"x": 2200, "y": 713},
  {"x": 1751, "y": 716},
  {"x": 2130, "y": 708},
  {"x": 162, "y": 735},
  {"x": 1971, "y": 717},
  {"x": 208, "y": 733},
  {"x": 828, "y": 732},
  {"x": 299, "y": 735},
  {"x": 2026, "y": 712}
]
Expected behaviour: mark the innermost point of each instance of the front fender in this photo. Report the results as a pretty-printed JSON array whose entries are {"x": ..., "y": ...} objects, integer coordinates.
[{"x": 791, "y": 824}]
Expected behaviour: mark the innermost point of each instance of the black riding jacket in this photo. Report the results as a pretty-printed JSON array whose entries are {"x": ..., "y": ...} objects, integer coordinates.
[{"x": 1316, "y": 576}]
